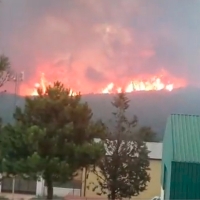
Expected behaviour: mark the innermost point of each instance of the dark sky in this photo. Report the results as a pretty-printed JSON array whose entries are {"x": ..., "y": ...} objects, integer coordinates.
[{"x": 97, "y": 41}]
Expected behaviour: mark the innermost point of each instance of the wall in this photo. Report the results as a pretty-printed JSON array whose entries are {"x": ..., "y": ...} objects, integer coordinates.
[
  {"x": 58, "y": 191},
  {"x": 162, "y": 193},
  {"x": 167, "y": 154},
  {"x": 153, "y": 188},
  {"x": 68, "y": 189},
  {"x": 61, "y": 192},
  {"x": 0, "y": 182},
  {"x": 185, "y": 181},
  {"x": 92, "y": 178},
  {"x": 65, "y": 188},
  {"x": 154, "y": 185}
]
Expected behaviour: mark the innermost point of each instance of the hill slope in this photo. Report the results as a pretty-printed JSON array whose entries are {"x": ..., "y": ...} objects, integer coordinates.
[{"x": 152, "y": 108}]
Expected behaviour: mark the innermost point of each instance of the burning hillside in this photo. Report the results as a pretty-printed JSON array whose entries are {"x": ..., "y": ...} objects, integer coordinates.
[
  {"x": 147, "y": 83},
  {"x": 138, "y": 84},
  {"x": 113, "y": 68}
]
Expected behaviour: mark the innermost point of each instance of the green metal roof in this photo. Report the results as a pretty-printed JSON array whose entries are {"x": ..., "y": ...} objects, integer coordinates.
[{"x": 185, "y": 131}]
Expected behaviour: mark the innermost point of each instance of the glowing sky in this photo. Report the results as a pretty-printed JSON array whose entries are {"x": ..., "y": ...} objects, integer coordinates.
[{"x": 102, "y": 40}]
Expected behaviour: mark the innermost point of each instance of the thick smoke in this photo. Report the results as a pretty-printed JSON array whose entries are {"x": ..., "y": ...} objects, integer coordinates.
[{"x": 90, "y": 42}]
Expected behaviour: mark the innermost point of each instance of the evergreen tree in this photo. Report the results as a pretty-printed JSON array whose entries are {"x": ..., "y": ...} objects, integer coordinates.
[{"x": 53, "y": 137}]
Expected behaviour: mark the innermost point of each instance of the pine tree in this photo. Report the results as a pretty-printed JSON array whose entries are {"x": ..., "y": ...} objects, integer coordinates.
[{"x": 53, "y": 138}]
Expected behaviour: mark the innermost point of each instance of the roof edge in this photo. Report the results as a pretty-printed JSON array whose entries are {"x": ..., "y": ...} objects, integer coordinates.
[
  {"x": 183, "y": 114},
  {"x": 172, "y": 138}
]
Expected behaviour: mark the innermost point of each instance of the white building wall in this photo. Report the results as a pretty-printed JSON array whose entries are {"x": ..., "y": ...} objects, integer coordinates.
[
  {"x": 41, "y": 190},
  {"x": 40, "y": 187},
  {"x": 61, "y": 192},
  {"x": 0, "y": 182},
  {"x": 162, "y": 193}
]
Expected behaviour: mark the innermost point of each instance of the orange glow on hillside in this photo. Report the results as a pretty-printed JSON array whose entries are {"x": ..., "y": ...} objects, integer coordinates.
[
  {"x": 142, "y": 83},
  {"x": 139, "y": 85}
]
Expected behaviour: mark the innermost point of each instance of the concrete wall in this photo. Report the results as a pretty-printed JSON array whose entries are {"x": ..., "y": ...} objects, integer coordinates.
[
  {"x": 58, "y": 191},
  {"x": 61, "y": 192}
]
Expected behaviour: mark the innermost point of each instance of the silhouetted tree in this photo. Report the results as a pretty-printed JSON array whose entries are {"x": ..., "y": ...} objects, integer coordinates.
[
  {"x": 123, "y": 171},
  {"x": 147, "y": 134}
]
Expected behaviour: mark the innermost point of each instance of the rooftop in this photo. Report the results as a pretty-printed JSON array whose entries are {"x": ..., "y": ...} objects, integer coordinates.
[
  {"x": 185, "y": 132},
  {"x": 155, "y": 149}
]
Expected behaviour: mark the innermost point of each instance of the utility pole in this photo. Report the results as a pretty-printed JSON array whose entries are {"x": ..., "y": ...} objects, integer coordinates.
[{"x": 17, "y": 78}]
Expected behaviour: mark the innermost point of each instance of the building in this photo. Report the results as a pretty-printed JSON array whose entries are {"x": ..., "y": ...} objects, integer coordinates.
[
  {"x": 78, "y": 187},
  {"x": 155, "y": 173},
  {"x": 181, "y": 158}
]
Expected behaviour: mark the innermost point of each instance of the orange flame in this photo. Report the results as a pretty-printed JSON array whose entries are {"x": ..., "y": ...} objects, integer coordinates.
[
  {"x": 155, "y": 83},
  {"x": 43, "y": 85}
]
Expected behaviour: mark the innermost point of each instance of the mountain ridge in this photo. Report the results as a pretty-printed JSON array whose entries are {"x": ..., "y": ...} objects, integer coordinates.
[{"x": 152, "y": 108}]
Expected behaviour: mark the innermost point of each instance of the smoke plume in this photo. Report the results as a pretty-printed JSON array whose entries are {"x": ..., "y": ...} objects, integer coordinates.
[{"x": 89, "y": 43}]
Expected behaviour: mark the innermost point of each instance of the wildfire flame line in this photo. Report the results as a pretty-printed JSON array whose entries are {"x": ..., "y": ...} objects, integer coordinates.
[
  {"x": 138, "y": 85},
  {"x": 155, "y": 84}
]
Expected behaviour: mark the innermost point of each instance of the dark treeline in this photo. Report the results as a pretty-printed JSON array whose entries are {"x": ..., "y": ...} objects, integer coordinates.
[{"x": 152, "y": 108}]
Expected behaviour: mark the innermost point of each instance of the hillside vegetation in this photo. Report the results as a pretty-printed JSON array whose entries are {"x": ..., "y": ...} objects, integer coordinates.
[{"x": 152, "y": 108}]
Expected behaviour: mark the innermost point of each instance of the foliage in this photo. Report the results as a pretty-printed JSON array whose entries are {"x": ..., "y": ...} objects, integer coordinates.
[
  {"x": 4, "y": 69},
  {"x": 147, "y": 134},
  {"x": 53, "y": 137},
  {"x": 123, "y": 171},
  {"x": 3, "y": 198}
]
